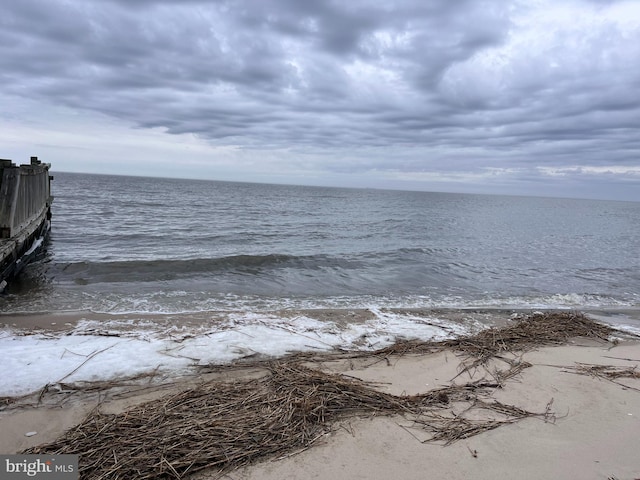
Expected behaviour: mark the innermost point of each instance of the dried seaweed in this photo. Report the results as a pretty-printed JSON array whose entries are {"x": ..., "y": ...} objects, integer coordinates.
[
  {"x": 607, "y": 372},
  {"x": 552, "y": 328},
  {"x": 226, "y": 425}
]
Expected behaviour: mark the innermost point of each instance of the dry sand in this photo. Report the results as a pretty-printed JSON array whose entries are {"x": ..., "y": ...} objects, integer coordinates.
[{"x": 595, "y": 434}]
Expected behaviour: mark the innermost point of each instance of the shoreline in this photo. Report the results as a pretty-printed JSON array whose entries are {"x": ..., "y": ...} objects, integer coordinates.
[
  {"x": 592, "y": 435},
  {"x": 491, "y": 316},
  {"x": 86, "y": 347}
]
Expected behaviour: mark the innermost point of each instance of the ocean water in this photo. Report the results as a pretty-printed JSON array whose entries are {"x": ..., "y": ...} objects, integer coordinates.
[{"x": 123, "y": 245}]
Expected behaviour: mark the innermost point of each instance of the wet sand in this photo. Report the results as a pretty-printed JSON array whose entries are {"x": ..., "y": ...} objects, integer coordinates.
[{"x": 67, "y": 321}]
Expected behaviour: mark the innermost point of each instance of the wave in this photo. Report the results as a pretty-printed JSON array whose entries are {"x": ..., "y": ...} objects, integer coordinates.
[
  {"x": 176, "y": 302},
  {"x": 155, "y": 270},
  {"x": 257, "y": 264}
]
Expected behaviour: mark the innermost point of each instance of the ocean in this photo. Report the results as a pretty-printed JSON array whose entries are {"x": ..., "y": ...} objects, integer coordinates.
[
  {"x": 154, "y": 245},
  {"x": 156, "y": 274}
]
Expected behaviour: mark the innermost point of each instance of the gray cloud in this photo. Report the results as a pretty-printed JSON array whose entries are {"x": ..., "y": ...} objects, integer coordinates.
[{"x": 460, "y": 86}]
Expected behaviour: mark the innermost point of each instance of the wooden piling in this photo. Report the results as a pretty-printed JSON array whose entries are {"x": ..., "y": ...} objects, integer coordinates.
[{"x": 25, "y": 213}]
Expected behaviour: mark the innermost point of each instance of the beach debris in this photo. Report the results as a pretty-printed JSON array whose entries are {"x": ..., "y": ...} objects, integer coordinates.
[
  {"x": 611, "y": 373},
  {"x": 606, "y": 371},
  {"x": 30, "y": 434},
  {"x": 224, "y": 425},
  {"x": 527, "y": 333}
]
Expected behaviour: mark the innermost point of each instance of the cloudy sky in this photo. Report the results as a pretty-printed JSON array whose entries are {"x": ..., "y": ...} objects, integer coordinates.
[{"x": 525, "y": 97}]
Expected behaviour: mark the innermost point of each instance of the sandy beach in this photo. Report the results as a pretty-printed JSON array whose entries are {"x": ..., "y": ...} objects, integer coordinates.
[
  {"x": 581, "y": 421},
  {"x": 594, "y": 435}
]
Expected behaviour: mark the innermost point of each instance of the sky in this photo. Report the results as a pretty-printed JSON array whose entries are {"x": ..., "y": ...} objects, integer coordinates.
[{"x": 532, "y": 97}]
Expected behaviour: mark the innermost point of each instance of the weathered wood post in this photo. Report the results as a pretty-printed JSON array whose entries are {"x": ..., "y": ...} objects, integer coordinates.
[{"x": 25, "y": 203}]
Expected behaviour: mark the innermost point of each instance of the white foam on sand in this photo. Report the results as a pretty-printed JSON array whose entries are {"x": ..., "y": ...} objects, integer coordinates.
[{"x": 109, "y": 350}]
